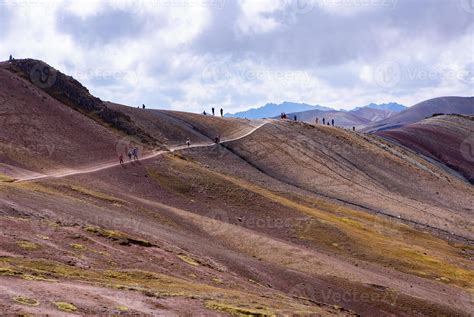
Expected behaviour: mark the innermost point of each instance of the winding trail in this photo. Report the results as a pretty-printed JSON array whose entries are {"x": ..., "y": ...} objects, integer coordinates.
[{"x": 104, "y": 166}]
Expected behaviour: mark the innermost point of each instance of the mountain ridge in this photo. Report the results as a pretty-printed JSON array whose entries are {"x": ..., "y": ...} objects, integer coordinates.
[{"x": 270, "y": 110}]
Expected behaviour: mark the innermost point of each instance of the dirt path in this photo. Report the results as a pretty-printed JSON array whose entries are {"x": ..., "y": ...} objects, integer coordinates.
[{"x": 103, "y": 166}]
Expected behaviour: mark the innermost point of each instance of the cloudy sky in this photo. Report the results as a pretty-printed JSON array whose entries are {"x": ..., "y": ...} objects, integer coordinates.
[{"x": 192, "y": 54}]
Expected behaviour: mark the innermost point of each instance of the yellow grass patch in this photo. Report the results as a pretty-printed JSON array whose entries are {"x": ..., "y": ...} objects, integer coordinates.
[
  {"x": 187, "y": 259},
  {"x": 68, "y": 307},
  {"x": 26, "y": 300}
]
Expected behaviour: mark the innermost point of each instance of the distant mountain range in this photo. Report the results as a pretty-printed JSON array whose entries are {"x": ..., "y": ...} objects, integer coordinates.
[
  {"x": 422, "y": 110},
  {"x": 271, "y": 110},
  {"x": 392, "y": 106}
]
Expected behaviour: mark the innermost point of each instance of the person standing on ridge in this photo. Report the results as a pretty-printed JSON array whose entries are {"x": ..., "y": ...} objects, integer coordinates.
[
  {"x": 135, "y": 154},
  {"x": 188, "y": 142},
  {"x": 213, "y": 111},
  {"x": 317, "y": 120},
  {"x": 332, "y": 122},
  {"x": 296, "y": 119},
  {"x": 121, "y": 159},
  {"x": 10, "y": 59},
  {"x": 222, "y": 112},
  {"x": 324, "y": 121},
  {"x": 353, "y": 128},
  {"x": 143, "y": 106}
]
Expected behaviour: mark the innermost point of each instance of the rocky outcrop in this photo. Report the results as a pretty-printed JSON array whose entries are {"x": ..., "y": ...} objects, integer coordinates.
[{"x": 73, "y": 94}]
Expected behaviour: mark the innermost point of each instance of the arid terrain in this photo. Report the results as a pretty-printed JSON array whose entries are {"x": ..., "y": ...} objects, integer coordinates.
[
  {"x": 447, "y": 139},
  {"x": 280, "y": 218}
]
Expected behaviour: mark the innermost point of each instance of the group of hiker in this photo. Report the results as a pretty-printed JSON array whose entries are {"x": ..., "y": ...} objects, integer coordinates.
[
  {"x": 213, "y": 110},
  {"x": 295, "y": 118},
  {"x": 132, "y": 155},
  {"x": 324, "y": 121}
]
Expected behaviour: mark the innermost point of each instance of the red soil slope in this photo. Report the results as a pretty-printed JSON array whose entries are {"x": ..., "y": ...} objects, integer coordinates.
[
  {"x": 425, "y": 109},
  {"x": 286, "y": 219},
  {"x": 448, "y": 139},
  {"x": 40, "y": 134}
]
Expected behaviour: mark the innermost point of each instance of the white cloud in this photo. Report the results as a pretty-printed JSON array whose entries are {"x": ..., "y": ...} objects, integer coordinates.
[{"x": 190, "y": 54}]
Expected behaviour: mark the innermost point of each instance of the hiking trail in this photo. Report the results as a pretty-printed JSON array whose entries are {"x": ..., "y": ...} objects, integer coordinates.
[{"x": 103, "y": 166}]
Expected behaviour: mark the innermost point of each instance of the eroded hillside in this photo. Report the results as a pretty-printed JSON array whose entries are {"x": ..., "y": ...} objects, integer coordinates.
[{"x": 280, "y": 218}]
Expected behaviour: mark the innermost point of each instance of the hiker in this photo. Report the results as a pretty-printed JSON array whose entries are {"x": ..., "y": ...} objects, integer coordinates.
[
  {"x": 135, "y": 153},
  {"x": 217, "y": 139},
  {"x": 130, "y": 154},
  {"x": 10, "y": 59},
  {"x": 222, "y": 112},
  {"x": 353, "y": 128},
  {"x": 329, "y": 124},
  {"x": 213, "y": 111},
  {"x": 332, "y": 122},
  {"x": 204, "y": 113},
  {"x": 296, "y": 119},
  {"x": 188, "y": 142},
  {"x": 317, "y": 120},
  {"x": 121, "y": 159},
  {"x": 143, "y": 106},
  {"x": 324, "y": 121}
]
